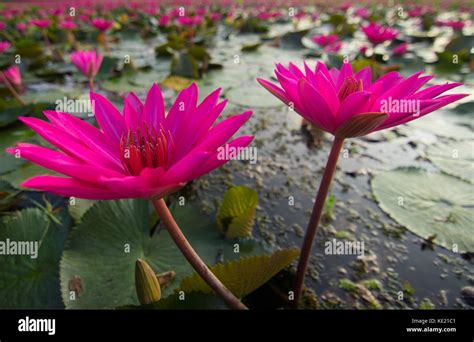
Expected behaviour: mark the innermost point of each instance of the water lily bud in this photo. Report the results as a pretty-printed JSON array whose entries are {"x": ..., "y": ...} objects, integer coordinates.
[{"x": 146, "y": 283}]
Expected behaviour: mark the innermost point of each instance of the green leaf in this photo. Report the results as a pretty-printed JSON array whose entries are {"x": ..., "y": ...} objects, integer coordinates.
[
  {"x": 455, "y": 158},
  {"x": 250, "y": 47},
  {"x": 428, "y": 204},
  {"x": 184, "y": 65},
  {"x": 251, "y": 96},
  {"x": 25, "y": 282},
  {"x": 79, "y": 207},
  {"x": 237, "y": 212},
  {"x": 245, "y": 275},
  {"x": 97, "y": 252}
]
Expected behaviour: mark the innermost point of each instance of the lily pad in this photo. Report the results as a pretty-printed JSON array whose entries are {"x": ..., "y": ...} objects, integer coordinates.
[
  {"x": 429, "y": 205},
  {"x": 26, "y": 282},
  {"x": 455, "y": 158},
  {"x": 251, "y": 96},
  {"x": 103, "y": 248},
  {"x": 245, "y": 275}
]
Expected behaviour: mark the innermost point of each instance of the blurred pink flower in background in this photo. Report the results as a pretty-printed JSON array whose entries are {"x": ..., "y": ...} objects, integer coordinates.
[
  {"x": 325, "y": 40},
  {"x": 88, "y": 62},
  {"x": 164, "y": 20},
  {"x": 377, "y": 34},
  {"x": 13, "y": 75},
  {"x": 40, "y": 23},
  {"x": 141, "y": 153},
  {"x": 362, "y": 12},
  {"x": 330, "y": 43},
  {"x": 21, "y": 26},
  {"x": 454, "y": 24},
  {"x": 4, "y": 46},
  {"x": 347, "y": 104},
  {"x": 67, "y": 24},
  {"x": 400, "y": 49},
  {"x": 102, "y": 24}
]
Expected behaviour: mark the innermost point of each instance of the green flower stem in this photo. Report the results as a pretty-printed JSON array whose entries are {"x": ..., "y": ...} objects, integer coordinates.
[
  {"x": 193, "y": 258},
  {"x": 316, "y": 216}
]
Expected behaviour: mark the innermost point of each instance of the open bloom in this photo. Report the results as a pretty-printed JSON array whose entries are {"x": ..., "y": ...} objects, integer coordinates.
[
  {"x": 4, "y": 46},
  {"x": 102, "y": 24},
  {"x": 13, "y": 75},
  {"x": 348, "y": 105},
  {"x": 88, "y": 62},
  {"x": 377, "y": 34},
  {"x": 142, "y": 153}
]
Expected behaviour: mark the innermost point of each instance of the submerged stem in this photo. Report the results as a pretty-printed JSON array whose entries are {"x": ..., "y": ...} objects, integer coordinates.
[
  {"x": 316, "y": 216},
  {"x": 193, "y": 258}
]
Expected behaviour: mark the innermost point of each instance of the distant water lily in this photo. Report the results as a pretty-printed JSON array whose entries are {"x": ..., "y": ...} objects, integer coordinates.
[
  {"x": 400, "y": 49},
  {"x": 88, "y": 62},
  {"x": 4, "y": 46},
  {"x": 11, "y": 78},
  {"x": 378, "y": 34},
  {"x": 142, "y": 153},
  {"x": 348, "y": 104},
  {"x": 103, "y": 25}
]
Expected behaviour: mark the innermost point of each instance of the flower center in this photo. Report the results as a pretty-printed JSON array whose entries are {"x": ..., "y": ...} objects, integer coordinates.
[
  {"x": 144, "y": 148},
  {"x": 350, "y": 85}
]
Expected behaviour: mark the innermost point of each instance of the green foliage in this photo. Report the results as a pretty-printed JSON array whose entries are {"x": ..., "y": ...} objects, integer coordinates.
[
  {"x": 245, "y": 275},
  {"x": 237, "y": 212}
]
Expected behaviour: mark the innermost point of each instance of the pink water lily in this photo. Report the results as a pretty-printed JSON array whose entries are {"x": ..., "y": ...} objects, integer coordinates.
[
  {"x": 377, "y": 34},
  {"x": 102, "y": 24},
  {"x": 67, "y": 24},
  {"x": 348, "y": 104},
  {"x": 88, "y": 62},
  {"x": 142, "y": 153},
  {"x": 13, "y": 75},
  {"x": 41, "y": 23},
  {"x": 334, "y": 100},
  {"x": 400, "y": 49},
  {"x": 324, "y": 40},
  {"x": 4, "y": 46}
]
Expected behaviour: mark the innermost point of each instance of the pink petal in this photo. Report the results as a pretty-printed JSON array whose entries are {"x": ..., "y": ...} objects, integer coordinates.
[{"x": 108, "y": 117}]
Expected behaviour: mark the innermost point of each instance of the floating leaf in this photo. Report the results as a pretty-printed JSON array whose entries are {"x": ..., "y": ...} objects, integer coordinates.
[
  {"x": 177, "y": 83},
  {"x": 251, "y": 95},
  {"x": 79, "y": 207},
  {"x": 250, "y": 47},
  {"x": 429, "y": 204},
  {"x": 237, "y": 212},
  {"x": 245, "y": 275},
  {"x": 103, "y": 248},
  {"x": 455, "y": 158},
  {"x": 32, "y": 283},
  {"x": 184, "y": 65}
]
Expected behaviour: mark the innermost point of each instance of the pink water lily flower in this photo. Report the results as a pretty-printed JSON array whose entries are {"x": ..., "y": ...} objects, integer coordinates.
[
  {"x": 324, "y": 40},
  {"x": 142, "y": 153},
  {"x": 400, "y": 49},
  {"x": 88, "y": 62},
  {"x": 102, "y": 24},
  {"x": 13, "y": 75},
  {"x": 21, "y": 26},
  {"x": 67, "y": 24},
  {"x": 40, "y": 23},
  {"x": 348, "y": 104},
  {"x": 4, "y": 46},
  {"x": 377, "y": 34}
]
